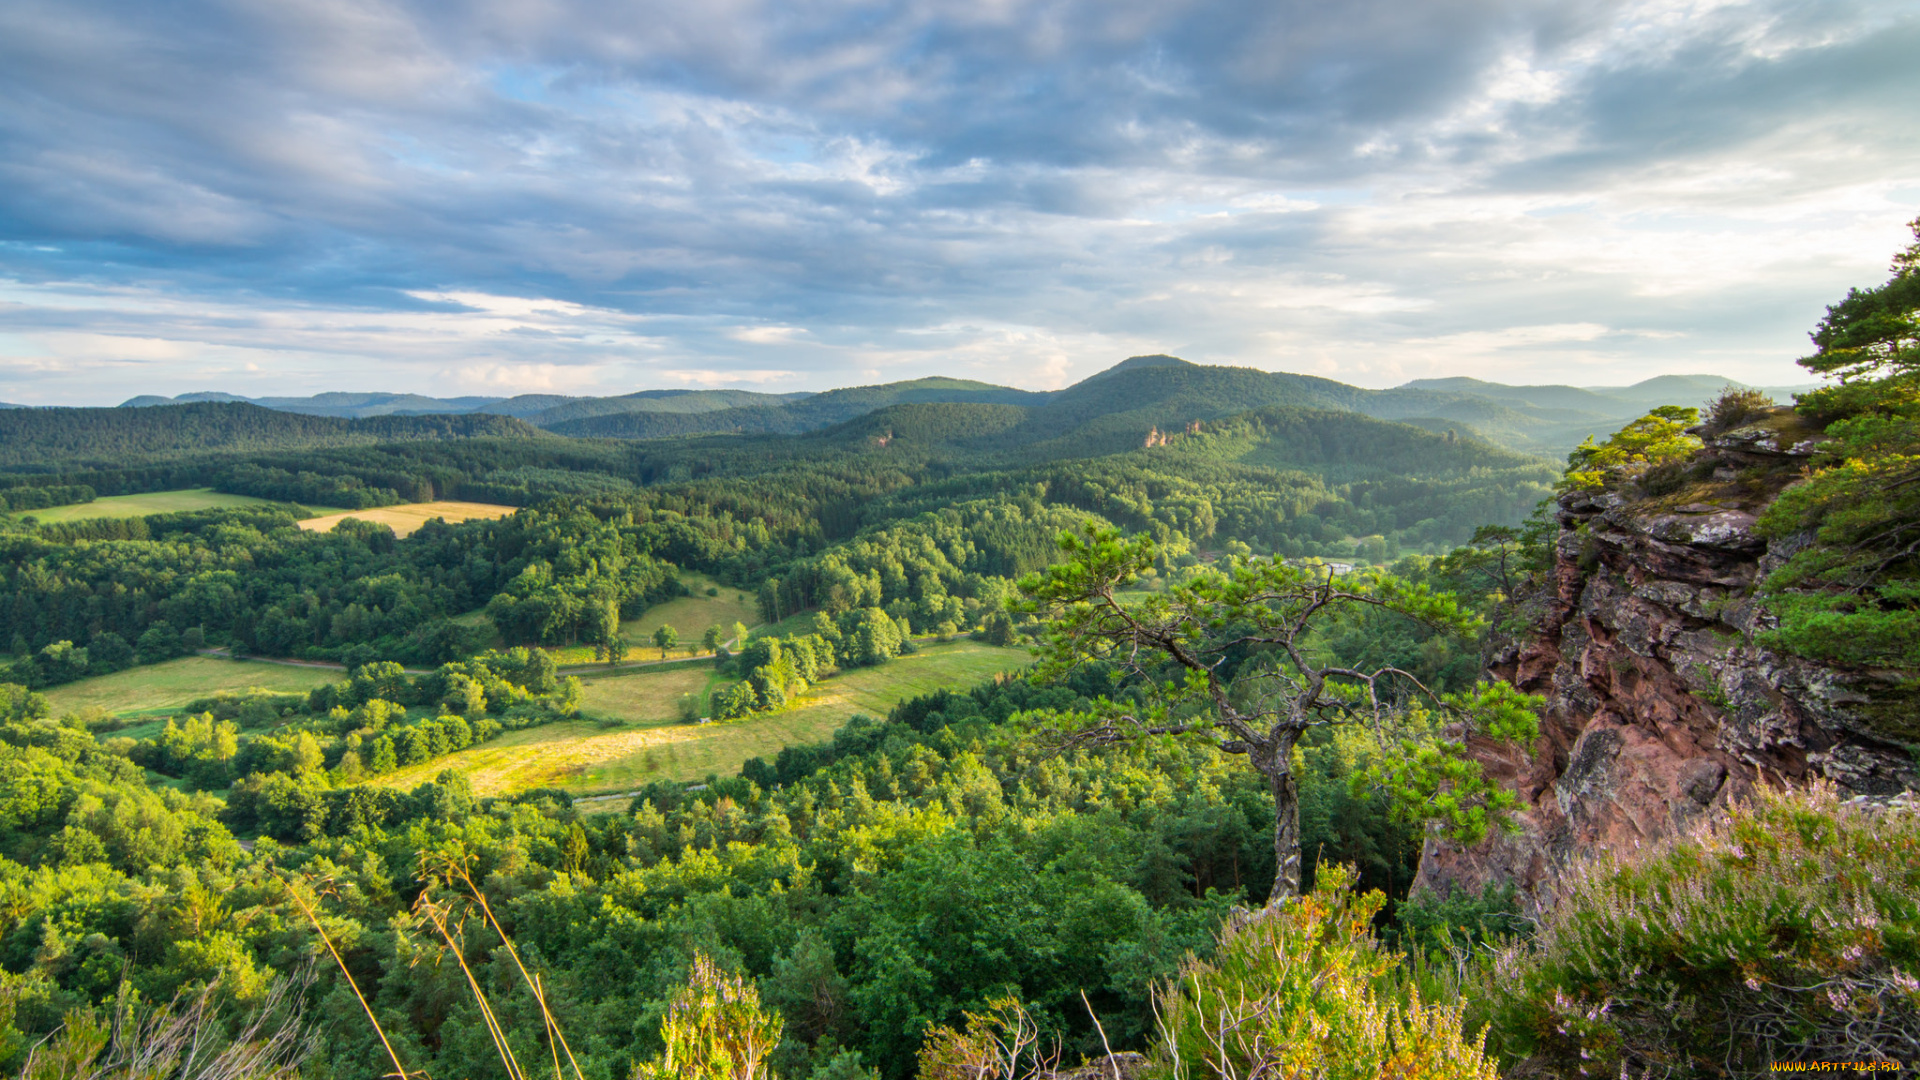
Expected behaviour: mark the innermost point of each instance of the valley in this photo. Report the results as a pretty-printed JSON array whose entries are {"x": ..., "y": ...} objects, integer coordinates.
[
  {"x": 1037, "y": 540},
  {"x": 879, "y": 692}
]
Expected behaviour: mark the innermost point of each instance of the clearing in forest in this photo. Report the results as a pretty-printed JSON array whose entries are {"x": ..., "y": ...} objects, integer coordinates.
[
  {"x": 405, "y": 518},
  {"x": 650, "y": 744},
  {"x": 689, "y": 616},
  {"x": 169, "y": 685},
  {"x": 153, "y": 502}
]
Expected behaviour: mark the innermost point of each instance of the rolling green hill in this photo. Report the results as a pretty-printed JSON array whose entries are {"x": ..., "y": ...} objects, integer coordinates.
[
  {"x": 802, "y": 414},
  {"x": 1103, "y": 410},
  {"x": 657, "y": 401},
  {"x": 79, "y": 438}
]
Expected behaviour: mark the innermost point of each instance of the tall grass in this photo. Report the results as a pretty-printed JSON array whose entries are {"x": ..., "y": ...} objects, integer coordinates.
[
  {"x": 451, "y": 899},
  {"x": 184, "y": 1040}
]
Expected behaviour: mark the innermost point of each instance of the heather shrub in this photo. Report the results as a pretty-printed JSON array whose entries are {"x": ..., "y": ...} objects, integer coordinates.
[
  {"x": 1303, "y": 989},
  {"x": 714, "y": 1029},
  {"x": 1001, "y": 1042},
  {"x": 190, "y": 1038},
  {"x": 1734, "y": 407},
  {"x": 1789, "y": 932}
]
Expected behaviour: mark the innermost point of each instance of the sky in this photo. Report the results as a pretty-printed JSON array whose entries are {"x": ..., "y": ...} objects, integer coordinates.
[{"x": 560, "y": 196}]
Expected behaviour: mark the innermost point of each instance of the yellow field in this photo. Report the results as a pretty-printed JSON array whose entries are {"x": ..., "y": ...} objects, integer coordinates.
[
  {"x": 153, "y": 502},
  {"x": 176, "y": 682},
  {"x": 407, "y": 517},
  {"x": 581, "y": 756}
]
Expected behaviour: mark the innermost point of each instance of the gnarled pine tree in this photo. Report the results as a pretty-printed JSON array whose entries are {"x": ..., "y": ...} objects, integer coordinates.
[{"x": 1254, "y": 620}]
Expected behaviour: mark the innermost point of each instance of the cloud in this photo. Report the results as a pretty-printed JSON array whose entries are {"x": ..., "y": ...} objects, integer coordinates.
[
  {"x": 492, "y": 193},
  {"x": 766, "y": 335}
]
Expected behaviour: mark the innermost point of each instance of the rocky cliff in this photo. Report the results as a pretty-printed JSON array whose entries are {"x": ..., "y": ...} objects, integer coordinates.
[{"x": 1661, "y": 706}]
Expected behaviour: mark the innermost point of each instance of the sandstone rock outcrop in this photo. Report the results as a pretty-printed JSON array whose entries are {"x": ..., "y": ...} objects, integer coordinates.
[{"x": 1661, "y": 706}]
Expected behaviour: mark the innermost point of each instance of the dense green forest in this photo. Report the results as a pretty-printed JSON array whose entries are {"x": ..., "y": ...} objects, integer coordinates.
[
  {"x": 43, "y": 439},
  {"x": 926, "y": 510}
]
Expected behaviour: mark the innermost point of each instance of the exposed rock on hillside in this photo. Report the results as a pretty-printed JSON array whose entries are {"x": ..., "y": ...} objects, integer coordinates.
[{"x": 1661, "y": 708}]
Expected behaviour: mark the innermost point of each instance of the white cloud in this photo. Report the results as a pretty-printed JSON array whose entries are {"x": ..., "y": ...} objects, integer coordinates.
[
  {"x": 735, "y": 377},
  {"x": 766, "y": 335},
  {"x": 596, "y": 199}
]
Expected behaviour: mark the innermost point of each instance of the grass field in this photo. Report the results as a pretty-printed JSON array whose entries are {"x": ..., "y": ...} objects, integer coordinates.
[
  {"x": 407, "y": 517},
  {"x": 690, "y": 615},
  {"x": 154, "y": 502},
  {"x": 170, "y": 685},
  {"x": 583, "y": 757}
]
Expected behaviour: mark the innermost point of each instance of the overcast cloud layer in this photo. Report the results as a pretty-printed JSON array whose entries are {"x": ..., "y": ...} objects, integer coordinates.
[{"x": 519, "y": 195}]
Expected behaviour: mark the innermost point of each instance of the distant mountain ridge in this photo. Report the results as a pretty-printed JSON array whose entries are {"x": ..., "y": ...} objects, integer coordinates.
[
  {"x": 82, "y": 438},
  {"x": 1106, "y": 409}
]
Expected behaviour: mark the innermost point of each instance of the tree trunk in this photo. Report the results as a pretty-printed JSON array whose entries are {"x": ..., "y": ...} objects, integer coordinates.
[{"x": 1278, "y": 770}]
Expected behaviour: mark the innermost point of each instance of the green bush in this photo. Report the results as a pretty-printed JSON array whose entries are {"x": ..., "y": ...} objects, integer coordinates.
[
  {"x": 1790, "y": 932},
  {"x": 1735, "y": 406},
  {"x": 714, "y": 1029},
  {"x": 1655, "y": 439},
  {"x": 1303, "y": 989},
  {"x": 1429, "y": 923}
]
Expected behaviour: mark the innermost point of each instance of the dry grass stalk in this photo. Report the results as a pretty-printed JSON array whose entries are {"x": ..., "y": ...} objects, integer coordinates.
[
  {"x": 399, "y": 1070},
  {"x": 437, "y": 917},
  {"x": 457, "y": 867},
  {"x": 170, "y": 1043}
]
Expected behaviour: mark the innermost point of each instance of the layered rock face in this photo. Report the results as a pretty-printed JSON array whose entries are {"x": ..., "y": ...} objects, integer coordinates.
[{"x": 1661, "y": 709}]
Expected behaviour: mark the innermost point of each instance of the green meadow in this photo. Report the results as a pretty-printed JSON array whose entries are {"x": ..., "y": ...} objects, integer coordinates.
[
  {"x": 689, "y": 615},
  {"x": 159, "y": 687},
  {"x": 155, "y": 502}
]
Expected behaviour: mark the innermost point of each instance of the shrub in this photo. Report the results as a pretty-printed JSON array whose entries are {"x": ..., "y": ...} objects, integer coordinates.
[
  {"x": 733, "y": 701},
  {"x": 1654, "y": 439},
  {"x": 1734, "y": 407},
  {"x": 1002, "y": 1043},
  {"x": 188, "y": 1038},
  {"x": 1788, "y": 932},
  {"x": 714, "y": 1029},
  {"x": 1303, "y": 989}
]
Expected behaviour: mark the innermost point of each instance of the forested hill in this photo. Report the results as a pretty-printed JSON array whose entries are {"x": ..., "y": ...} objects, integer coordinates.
[
  {"x": 1113, "y": 409},
  {"x": 808, "y": 413},
  {"x": 1277, "y": 462},
  {"x": 1142, "y": 390},
  {"x": 76, "y": 439}
]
